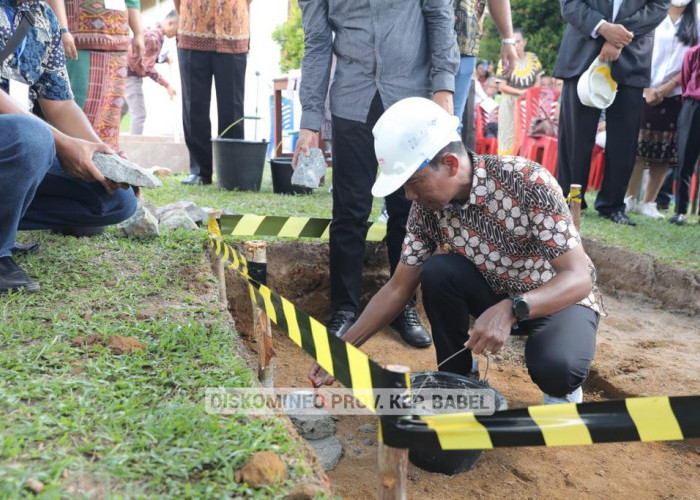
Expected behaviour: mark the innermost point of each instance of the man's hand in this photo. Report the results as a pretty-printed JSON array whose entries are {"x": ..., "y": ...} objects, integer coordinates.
[
  {"x": 76, "y": 160},
  {"x": 319, "y": 376},
  {"x": 509, "y": 58},
  {"x": 171, "y": 92},
  {"x": 307, "y": 139},
  {"x": 616, "y": 34},
  {"x": 69, "y": 45},
  {"x": 609, "y": 53},
  {"x": 492, "y": 328},
  {"x": 138, "y": 47},
  {"x": 444, "y": 99}
]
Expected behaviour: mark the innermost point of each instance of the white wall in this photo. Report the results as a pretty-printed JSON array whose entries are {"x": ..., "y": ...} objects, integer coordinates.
[{"x": 165, "y": 116}]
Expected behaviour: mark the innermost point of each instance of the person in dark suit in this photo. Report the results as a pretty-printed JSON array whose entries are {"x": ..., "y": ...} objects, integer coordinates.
[{"x": 619, "y": 32}]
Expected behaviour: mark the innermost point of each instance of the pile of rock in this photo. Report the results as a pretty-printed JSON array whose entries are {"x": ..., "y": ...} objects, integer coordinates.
[{"x": 316, "y": 426}]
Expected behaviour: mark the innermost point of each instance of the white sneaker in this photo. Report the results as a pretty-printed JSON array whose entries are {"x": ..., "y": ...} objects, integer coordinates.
[
  {"x": 630, "y": 204},
  {"x": 573, "y": 397},
  {"x": 649, "y": 209}
]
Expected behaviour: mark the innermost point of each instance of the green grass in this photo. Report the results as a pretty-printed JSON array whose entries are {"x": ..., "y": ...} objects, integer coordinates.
[
  {"x": 670, "y": 244},
  {"x": 87, "y": 422}
]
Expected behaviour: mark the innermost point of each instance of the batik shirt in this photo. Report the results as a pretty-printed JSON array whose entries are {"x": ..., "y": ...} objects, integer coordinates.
[
  {"x": 467, "y": 14},
  {"x": 42, "y": 61},
  {"x": 514, "y": 224},
  {"x": 221, "y": 26}
]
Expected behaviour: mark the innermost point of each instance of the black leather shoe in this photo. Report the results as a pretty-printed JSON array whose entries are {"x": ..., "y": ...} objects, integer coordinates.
[
  {"x": 79, "y": 231},
  {"x": 340, "y": 322},
  {"x": 619, "y": 217},
  {"x": 13, "y": 278},
  {"x": 411, "y": 329},
  {"x": 25, "y": 248},
  {"x": 195, "y": 180}
]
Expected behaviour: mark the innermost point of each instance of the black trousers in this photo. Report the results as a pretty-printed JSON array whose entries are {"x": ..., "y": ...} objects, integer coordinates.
[
  {"x": 688, "y": 150},
  {"x": 577, "y": 130},
  {"x": 559, "y": 349},
  {"x": 354, "y": 172},
  {"x": 197, "y": 68}
]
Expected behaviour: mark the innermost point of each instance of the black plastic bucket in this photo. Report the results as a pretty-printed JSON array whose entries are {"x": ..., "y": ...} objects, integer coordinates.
[
  {"x": 282, "y": 177},
  {"x": 447, "y": 461},
  {"x": 239, "y": 163}
]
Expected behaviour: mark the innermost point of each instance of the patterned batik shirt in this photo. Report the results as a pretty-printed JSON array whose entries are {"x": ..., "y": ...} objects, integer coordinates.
[
  {"x": 467, "y": 14},
  {"x": 42, "y": 62},
  {"x": 515, "y": 222}
]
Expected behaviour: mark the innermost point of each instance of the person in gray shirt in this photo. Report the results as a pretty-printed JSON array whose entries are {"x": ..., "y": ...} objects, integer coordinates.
[{"x": 386, "y": 50}]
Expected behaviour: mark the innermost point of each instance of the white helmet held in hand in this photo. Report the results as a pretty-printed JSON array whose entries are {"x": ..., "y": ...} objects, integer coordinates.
[{"x": 406, "y": 137}]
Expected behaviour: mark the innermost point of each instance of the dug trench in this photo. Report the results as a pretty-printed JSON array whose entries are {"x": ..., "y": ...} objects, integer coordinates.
[{"x": 645, "y": 347}]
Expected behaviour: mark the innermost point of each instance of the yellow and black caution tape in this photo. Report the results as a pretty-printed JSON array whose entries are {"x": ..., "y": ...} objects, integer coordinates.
[
  {"x": 288, "y": 227},
  {"x": 342, "y": 360},
  {"x": 574, "y": 195},
  {"x": 631, "y": 419}
]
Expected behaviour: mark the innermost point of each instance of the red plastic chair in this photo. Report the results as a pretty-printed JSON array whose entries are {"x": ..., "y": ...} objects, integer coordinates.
[
  {"x": 537, "y": 100},
  {"x": 483, "y": 146},
  {"x": 595, "y": 176}
]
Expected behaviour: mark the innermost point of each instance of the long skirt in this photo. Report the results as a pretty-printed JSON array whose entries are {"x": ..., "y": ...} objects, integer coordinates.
[{"x": 98, "y": 80}]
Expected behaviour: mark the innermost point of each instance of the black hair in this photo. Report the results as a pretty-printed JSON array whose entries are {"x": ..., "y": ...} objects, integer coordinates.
[
  {"x": 172, "y": 14},
  {"x": 518, "y": 30},
  {"x": 687, "y": 29},
  {"x": 455, "y": 147}
]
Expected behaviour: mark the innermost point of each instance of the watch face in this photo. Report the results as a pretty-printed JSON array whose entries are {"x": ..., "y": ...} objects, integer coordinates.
[{"x": 521, "y": 308}]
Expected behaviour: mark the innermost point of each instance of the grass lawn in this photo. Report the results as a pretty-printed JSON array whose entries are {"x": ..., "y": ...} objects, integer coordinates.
[
  {"x": 88, "y": 422},
  {"x": 669, "y": 243}
]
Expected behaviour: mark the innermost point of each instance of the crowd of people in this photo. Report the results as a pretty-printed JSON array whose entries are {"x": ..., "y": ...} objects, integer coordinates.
[{"x": 397, "y": 101}]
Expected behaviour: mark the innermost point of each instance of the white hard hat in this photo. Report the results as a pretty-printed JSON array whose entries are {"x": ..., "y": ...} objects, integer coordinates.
[
  {"x": 596, "y": 87},
  {"x": 407, "y": 136}
]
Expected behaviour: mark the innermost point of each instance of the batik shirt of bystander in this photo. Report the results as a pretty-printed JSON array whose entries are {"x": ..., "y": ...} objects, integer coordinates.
[{"x": 39, "y": 61}]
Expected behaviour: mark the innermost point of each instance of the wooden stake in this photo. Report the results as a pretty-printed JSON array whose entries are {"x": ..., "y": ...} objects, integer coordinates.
[
  {"x": 219, "y": 266},
  {"x": 575, "y": 196},
  {"x": 256, "y": 255},
  {"x": 393, "y": 462}
]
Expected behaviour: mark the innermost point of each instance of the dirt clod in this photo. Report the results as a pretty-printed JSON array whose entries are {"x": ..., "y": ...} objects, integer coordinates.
[
  {"x": 264, "y": 468},
  {"x": 35, "y": 485},
  {"x": 117, "y": 343},
  {"x": 306, "y": 491}
]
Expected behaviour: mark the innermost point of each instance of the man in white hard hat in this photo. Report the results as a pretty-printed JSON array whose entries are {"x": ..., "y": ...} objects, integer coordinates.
[
  {"x": 386, "y": 50},
  {"x": 489, "y": 237}
]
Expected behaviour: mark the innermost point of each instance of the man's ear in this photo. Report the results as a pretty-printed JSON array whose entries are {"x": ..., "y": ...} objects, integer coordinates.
[{"x": 451, "y": 162}]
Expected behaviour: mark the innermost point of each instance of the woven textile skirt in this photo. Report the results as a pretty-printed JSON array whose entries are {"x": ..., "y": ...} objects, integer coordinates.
[
  {"x": 657, "y": 131},
  {"x": 98, "y": 80}
]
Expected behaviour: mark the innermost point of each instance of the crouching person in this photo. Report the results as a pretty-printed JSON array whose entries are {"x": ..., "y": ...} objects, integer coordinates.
[
  {"x": 488, "y": 237},
  {"x": 47, "y": 177}
]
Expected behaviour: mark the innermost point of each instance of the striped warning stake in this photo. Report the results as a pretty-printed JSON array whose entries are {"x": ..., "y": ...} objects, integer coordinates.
[
  {"x": 632, "y": 419},
  {"x": 288, "y": 227}
]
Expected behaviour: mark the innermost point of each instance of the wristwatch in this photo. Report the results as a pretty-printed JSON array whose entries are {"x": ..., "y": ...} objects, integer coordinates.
[
  {"x": 521, "y": 309},
  {"x": 510, "y": 41},
  {"x": 63, "y": 30}
]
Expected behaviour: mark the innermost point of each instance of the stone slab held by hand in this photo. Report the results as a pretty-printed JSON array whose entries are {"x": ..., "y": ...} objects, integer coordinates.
[{"x": 119, "y": 170}]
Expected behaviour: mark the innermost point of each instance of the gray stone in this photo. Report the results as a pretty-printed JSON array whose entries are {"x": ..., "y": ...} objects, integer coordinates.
[
  {"x": 358, "y": 451},
  {"x": 191, "y": 208},
  {"x": 329, "y": 450},
  {"x": 143, "y": 224},
  {"x": 309, "y": 169},
  {"x": 311, "y": 422},
  {"x": 368, "y": 441},
  {"x": 177, "y": 220},
  {"x": 369, "y": 428},
  {"x": 147, "y": 205},
  {"x": 117, "y": 169},
  {"x": 349, "y": 437}
]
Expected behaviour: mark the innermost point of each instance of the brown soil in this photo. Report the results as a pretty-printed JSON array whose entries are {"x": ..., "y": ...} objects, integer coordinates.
[
  {"x": 117, "y": 343},
  {"x": 642, "y": 350}
]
